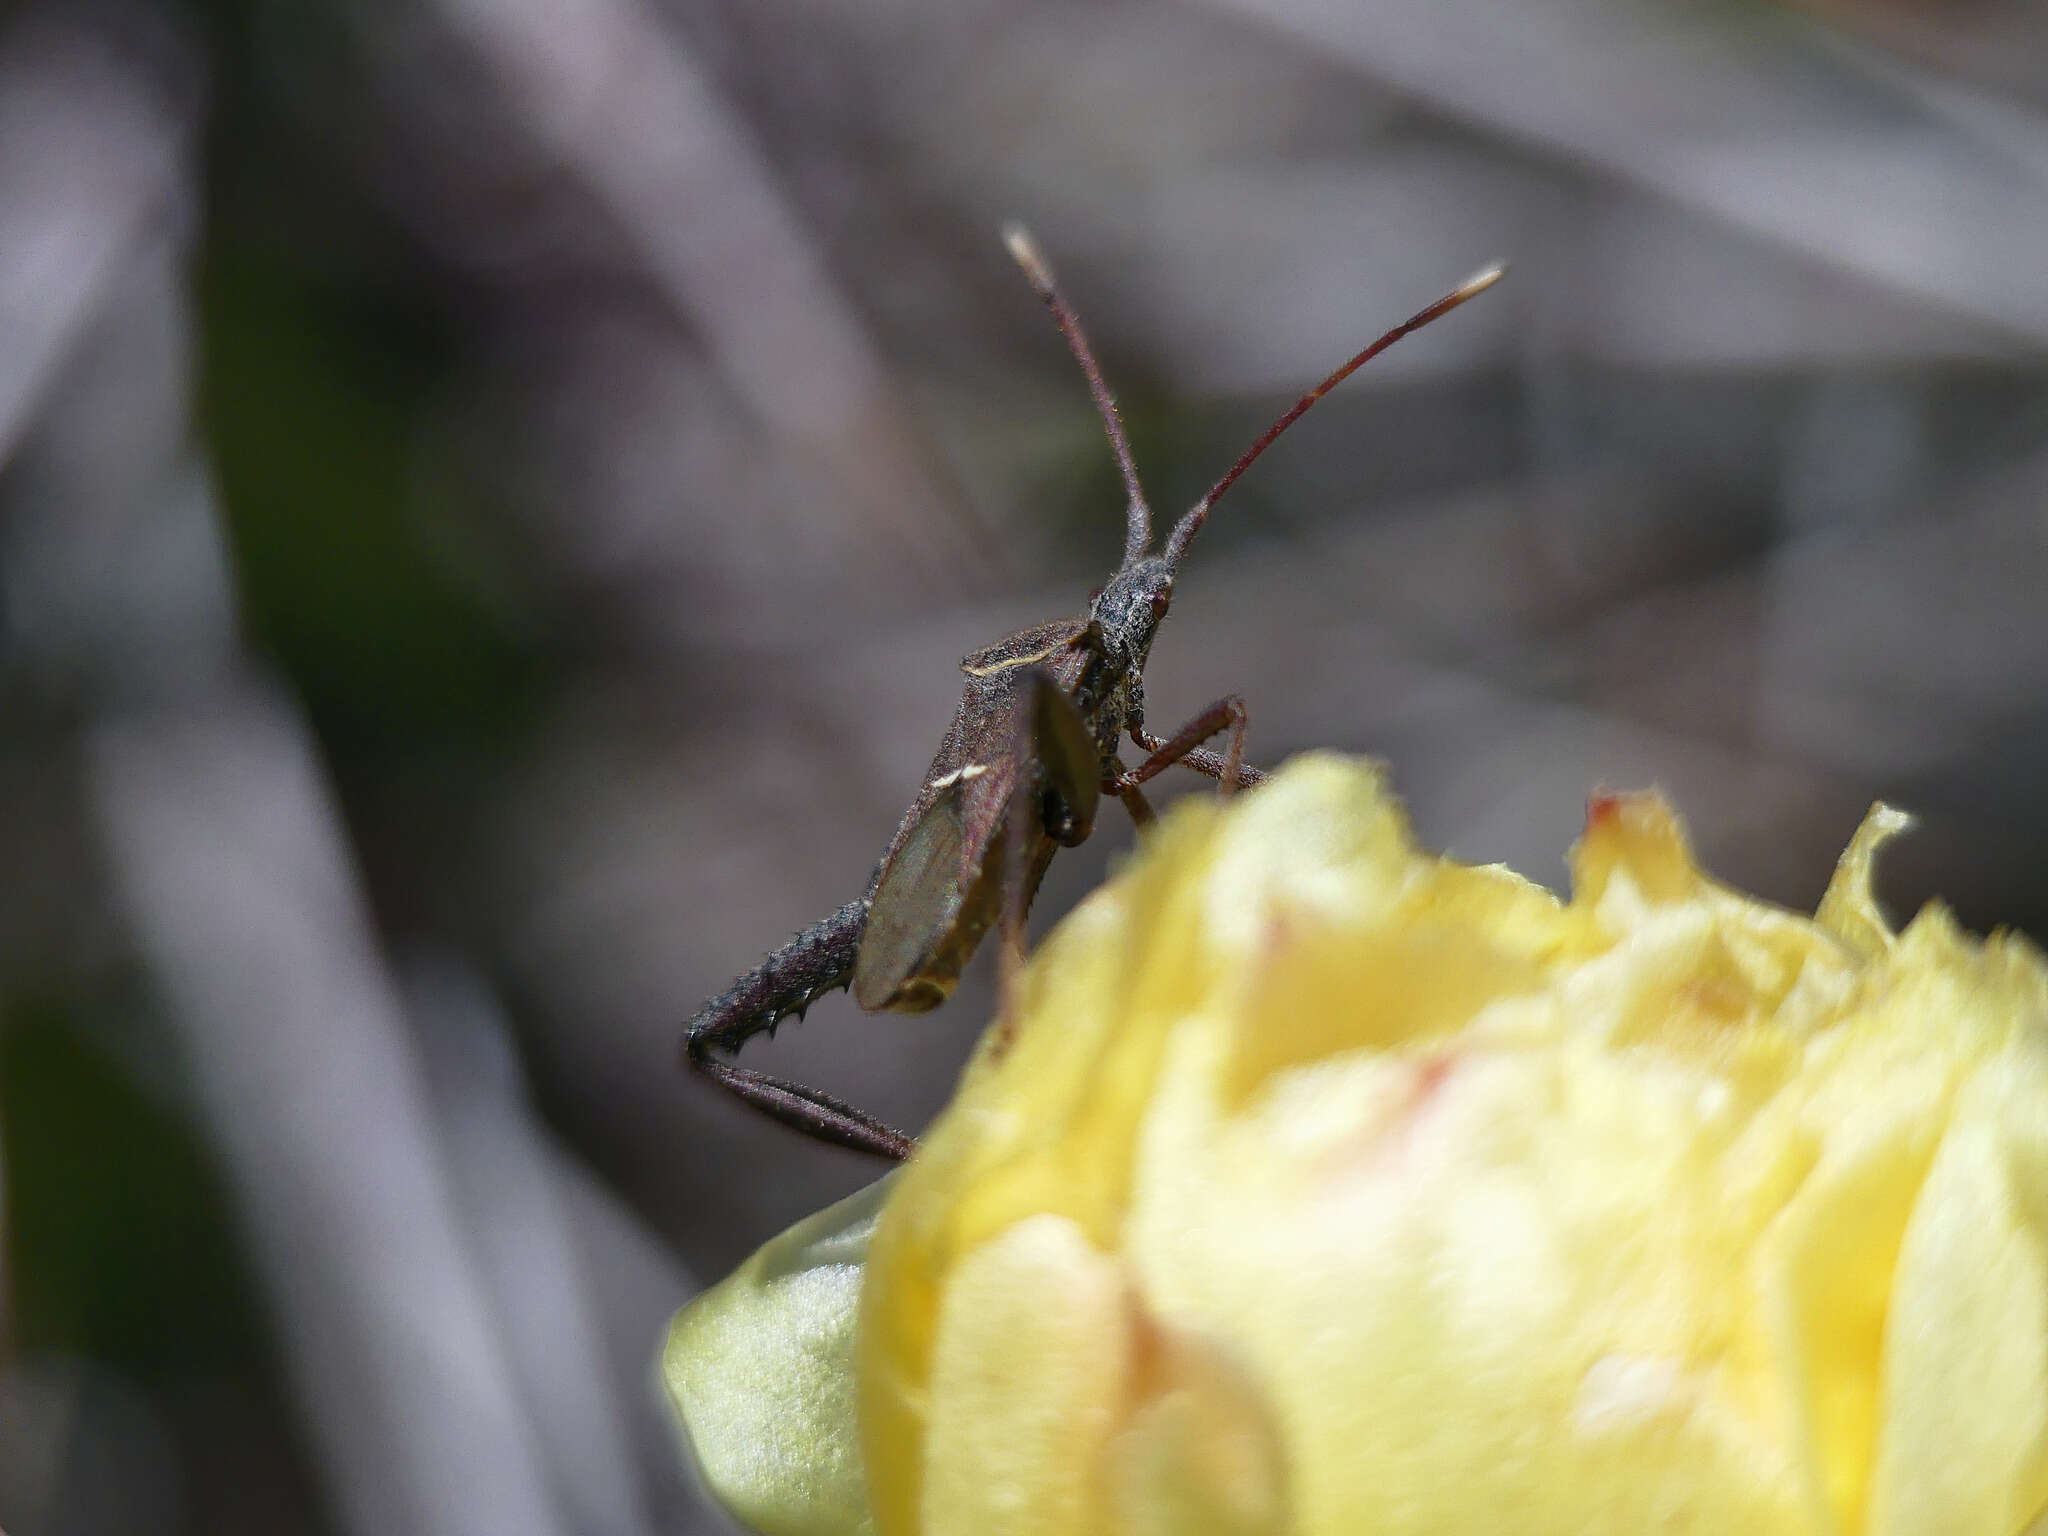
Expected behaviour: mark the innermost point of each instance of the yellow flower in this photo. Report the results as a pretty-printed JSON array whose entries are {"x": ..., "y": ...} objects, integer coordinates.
[{"x": 1319, "y": 1185}]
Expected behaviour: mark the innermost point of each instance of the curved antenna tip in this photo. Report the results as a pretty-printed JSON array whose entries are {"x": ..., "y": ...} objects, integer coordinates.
[
  {"x": 1190, "y": 524},
  {"x": 1481, "y": 280},
  {"x": 1025, "y": 252}
]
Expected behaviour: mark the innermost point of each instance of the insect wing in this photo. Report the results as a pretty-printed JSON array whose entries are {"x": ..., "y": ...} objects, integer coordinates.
[
  {"x": 1072, "y": 765},
  {"x": 916, "y": 905}
]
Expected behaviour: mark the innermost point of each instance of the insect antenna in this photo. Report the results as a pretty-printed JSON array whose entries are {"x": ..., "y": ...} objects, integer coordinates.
[
  {"x": 1185, "y": 530},
  {"x": 1137, "y": 514}
]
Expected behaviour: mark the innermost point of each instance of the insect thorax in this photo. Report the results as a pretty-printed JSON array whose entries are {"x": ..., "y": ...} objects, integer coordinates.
[{"x": 1128, "y": 611}]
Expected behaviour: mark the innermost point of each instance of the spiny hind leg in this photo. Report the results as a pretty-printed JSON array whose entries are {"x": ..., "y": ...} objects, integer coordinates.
[{"x": 816, "y": 961}]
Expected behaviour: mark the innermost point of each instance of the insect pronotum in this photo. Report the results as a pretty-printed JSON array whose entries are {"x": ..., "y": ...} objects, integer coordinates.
[{"x": 1017, "y": 776}]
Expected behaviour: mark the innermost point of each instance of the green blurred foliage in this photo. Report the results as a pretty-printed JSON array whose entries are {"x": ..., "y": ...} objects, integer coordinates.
[
  {"x": 119, "y": 1244},
  {"x": 311, "y": 396}
]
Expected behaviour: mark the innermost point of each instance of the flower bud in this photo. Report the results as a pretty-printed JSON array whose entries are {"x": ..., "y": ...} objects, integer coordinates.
[{"x": 1314, "y": 1184}]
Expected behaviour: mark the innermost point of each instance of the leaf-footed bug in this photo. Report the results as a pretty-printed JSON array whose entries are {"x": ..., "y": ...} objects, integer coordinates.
[{"x": 1031, "y": 748}]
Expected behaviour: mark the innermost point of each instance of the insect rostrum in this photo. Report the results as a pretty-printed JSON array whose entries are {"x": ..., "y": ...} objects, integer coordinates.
[{"x": 1032, "y": 747}]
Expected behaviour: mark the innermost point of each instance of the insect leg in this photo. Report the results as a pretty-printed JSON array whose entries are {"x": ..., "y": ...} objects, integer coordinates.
[
  {"x": 1184, "y": 747},
  {"x": 1141, "y": 812},
  {"x": 1213, "y": 765},
  {"x": 1016, "y": 899},
  {"x": 815, "y": 962},
  {"x": 1050, "y": 744},
  {"x": 816, "y": 1114}
]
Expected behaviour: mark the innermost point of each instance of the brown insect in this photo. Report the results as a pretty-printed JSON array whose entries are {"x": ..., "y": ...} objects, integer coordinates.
[{"x": 1032, "y": 747}]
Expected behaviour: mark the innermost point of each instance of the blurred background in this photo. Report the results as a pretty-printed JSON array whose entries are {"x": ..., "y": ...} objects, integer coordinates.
[{"x": 492, "y": 493}]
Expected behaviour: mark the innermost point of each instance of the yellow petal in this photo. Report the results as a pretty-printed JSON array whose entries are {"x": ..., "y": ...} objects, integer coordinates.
[
  {"x": 1849, "y": 910},
  {"x": 1199, "y": 1453},
  {"x": 1030, "y": 1366},
  {"x": 1964, "y": 1445},
  {"x": 1825, "y": 1270}
]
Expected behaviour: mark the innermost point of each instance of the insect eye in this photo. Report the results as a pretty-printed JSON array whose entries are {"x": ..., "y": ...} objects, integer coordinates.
[{"x": 1159, "y": 601}]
